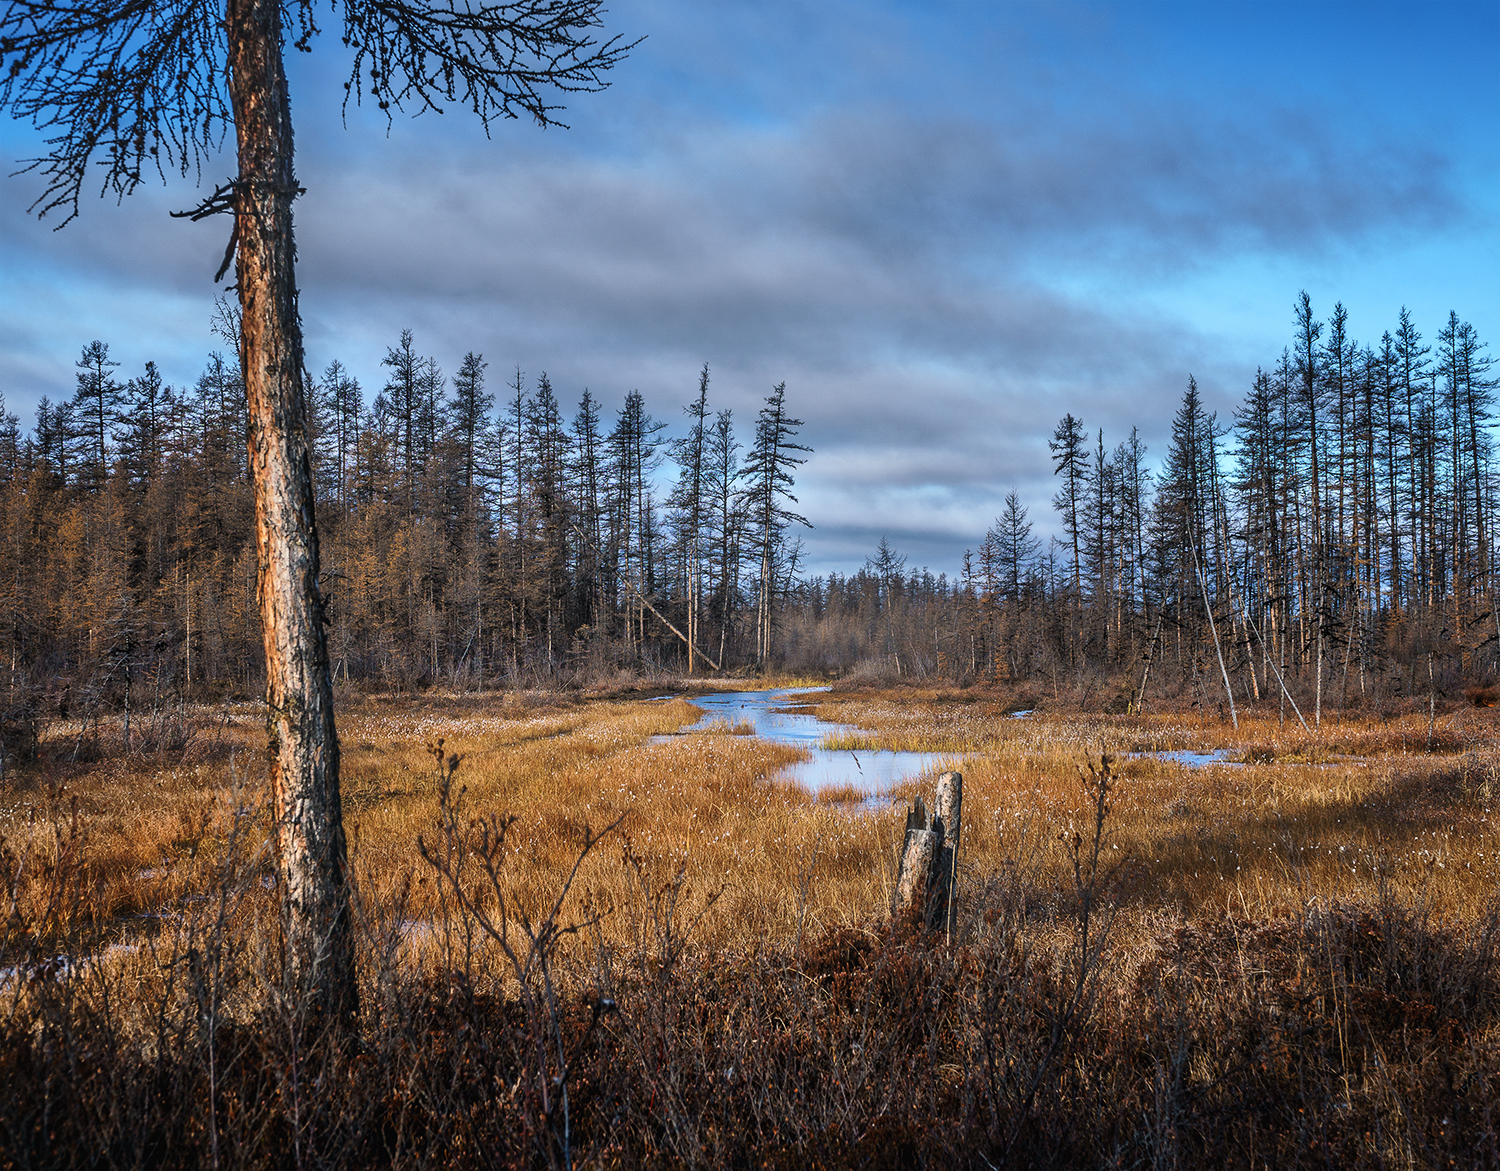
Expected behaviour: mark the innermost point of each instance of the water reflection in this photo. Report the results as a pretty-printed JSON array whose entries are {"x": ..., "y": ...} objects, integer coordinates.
[
  {"x": 1193, "y": 759},
  {"x": 767, "y": 712}
]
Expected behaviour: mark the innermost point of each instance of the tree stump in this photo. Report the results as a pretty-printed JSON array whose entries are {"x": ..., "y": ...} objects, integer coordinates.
[{"x": 929, "y": 855}]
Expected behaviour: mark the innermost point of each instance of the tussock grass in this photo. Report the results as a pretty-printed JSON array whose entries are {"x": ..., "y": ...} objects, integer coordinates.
[
  {"x": 850, "y": 742},
  {"x": 842, "y": 795},
  {"x": 1309, "y": 815},
  {"x": 726, "y": 728},
  {"x": 1286, "y": 961},
  {"x": 562, "y": 768}
]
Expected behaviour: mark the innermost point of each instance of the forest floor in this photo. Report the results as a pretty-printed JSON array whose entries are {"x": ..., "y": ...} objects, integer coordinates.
[{"x": 1291, "y": 945}]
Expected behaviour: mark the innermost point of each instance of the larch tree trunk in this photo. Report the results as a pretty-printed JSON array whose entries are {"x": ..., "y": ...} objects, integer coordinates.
[{"x": 303, "y": 750}]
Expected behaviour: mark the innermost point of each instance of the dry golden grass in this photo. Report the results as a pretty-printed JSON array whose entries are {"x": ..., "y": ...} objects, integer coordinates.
[
  {"x": 1320, "y": 816},
  {"x": 1295, "y": 946},
  {"x": 563, "y": 768},
  {"x": 1287, "y": 817},
  {"x": 842, "y": 795}
]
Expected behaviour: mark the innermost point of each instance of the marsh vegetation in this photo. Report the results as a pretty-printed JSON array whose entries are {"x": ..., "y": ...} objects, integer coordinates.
[{"x": 583, "y": 942}]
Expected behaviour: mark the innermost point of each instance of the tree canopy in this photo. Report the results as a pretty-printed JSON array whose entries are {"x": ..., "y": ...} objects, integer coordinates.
[{"x": 124, "y": 91}]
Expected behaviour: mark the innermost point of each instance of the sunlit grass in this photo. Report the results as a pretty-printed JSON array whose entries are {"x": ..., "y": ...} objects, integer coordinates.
[
  {"x": 1311, "y": 816},
  {"x": 1283, "y": 930},
  {"x": 727, "y": 728},
  {"x": 1323, "y": 814}
]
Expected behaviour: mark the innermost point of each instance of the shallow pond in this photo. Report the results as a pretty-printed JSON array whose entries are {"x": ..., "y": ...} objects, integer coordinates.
[
  {"x": 871, "y": 772},
  {"x": 779, "y": 717},
  {"x": 1192, "y": 759}
]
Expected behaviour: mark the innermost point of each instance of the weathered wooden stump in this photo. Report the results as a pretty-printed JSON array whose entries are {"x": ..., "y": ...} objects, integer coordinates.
[
  {"x": 929, "y": 855},
  {"x": 918, "y": 856}
]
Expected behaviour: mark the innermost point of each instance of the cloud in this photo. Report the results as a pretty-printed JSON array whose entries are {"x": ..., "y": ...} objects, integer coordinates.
[
  {"x": 862, "y": 240},
  {"x": 1154, "y": 184},
  {"x": 936, "y": 289}
]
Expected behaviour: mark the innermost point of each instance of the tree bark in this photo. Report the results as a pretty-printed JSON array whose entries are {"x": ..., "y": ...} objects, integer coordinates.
[{"x": 303, "y": 745}]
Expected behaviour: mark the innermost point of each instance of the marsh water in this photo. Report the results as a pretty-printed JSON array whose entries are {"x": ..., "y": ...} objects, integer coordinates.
[
  {"x": 779, "y": 716},
  {"x": 774, "y": 716},
  {"x": 1193, "y": 759}
]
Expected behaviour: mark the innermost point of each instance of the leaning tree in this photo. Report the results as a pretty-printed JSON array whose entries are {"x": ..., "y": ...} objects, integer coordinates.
[{"x": 124, "y": 88}]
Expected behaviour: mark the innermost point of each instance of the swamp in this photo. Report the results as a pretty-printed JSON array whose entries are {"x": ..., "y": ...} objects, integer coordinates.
[{"x": 623, "y": 929}]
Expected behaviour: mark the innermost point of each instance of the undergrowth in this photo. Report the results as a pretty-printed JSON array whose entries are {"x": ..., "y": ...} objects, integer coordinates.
[{"x": 594, "y": 1030}]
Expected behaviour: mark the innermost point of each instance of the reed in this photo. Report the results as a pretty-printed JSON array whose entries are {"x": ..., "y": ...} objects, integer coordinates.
[
  {"x": 585, "y": 941},
  {"x": 1326, "y": 814}
]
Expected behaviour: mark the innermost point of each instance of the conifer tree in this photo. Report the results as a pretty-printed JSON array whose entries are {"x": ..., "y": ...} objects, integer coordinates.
[
  {"x": 1411, "y": 370},
  {"x": 1135, "y": 484},
  {"x": 343, "y": 407},
  {"x": 468, "y": 418},
  {"x": 1101, "y": 491},
  {"x": 1070, "y": 461},
  {"x": 96, "y": 405},
  {"x": 635, "y": 445},
  {"x": 1015, "y": 549},
  {"x": 146, "y": 405},
  {"x": 547, "y": 445},
  {"x": 153, "y": 86},
  {"x": 687, "y": 504},
  {"x": 56, "y": 439},
  {"x": 722, "y": 464},
  {"x": 767, "y": 473},
  {"x": 589, "y": 478}
]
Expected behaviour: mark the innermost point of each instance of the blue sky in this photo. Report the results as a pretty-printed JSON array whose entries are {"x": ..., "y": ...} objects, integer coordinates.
[{"x": 942, "y": 225}]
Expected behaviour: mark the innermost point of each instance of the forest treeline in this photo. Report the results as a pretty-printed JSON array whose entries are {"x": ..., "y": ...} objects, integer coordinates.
[
  {"x": 1333, "y": 539},
  {"x": 467, "y": 537}
]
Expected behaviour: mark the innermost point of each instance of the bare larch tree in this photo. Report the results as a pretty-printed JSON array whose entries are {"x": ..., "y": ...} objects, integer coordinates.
[{"x": 121, "y": 89}]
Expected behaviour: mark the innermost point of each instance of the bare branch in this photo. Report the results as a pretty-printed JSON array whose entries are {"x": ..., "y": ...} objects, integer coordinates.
[
  {"x": 120, "y": 86},
  {"x": 498, "y": 60},
  {"x": 123, "y": 88}
]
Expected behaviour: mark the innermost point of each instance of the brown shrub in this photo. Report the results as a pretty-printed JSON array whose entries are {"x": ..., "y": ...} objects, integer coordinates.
[{"x": 1483, "y": 696}]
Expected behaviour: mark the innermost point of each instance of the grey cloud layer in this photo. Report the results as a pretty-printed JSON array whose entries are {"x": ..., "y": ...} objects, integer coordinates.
[
  {"x": 1156, "y": 186},
  {"x": 859, "y": 229},
  {"x": 899, "y": 273}
]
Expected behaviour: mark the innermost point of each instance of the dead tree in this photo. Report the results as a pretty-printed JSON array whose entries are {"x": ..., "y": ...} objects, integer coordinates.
[
  {"x": 142, "y": 85},
  {"x": 926, "y": 882}
]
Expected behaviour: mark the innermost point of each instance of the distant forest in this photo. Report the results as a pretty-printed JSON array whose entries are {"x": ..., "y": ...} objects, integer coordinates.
[{"x": 1331, "y": 542}]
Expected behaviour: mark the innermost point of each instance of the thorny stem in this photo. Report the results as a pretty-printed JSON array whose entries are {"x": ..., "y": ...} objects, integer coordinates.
[
  {"x": 1083, "y": 855},
  {"x": 484, "y": 843}
]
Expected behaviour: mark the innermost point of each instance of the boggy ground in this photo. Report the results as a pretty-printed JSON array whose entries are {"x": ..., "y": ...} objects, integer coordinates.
[
  {"x": 1289, "y": 962},
  {"x": 1285, "y": 815}
]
